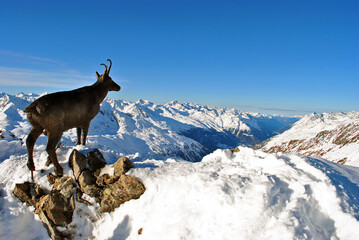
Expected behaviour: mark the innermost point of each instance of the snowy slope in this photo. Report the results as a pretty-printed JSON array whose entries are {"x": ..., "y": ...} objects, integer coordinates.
[
  {"x": 333, "y": 136},
  {"x": 249, "y": 194},
  {"x": 183, "y": 130},
  {"x": 244, "y": 195}
]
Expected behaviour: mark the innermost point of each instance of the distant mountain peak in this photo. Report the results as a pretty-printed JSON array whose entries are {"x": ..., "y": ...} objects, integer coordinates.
[
  {"x": 333, "y": 136},
  {"x": 175, "y": 129}
]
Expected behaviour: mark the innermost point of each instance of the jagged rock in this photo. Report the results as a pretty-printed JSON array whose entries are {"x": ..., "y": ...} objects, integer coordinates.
[
  {"x": 47, "y": 211},
  {"x": 132, "y": 186},
  {"x": 106, "y": 179},
  {"x": 79, "y": 197},
  {"x": 54, "y": 234},
  {"x": 122, "y": 166},
  {"x": 87, "y": 182},
  {"x": 28, "y": 192},
  {"x": 78, "y": 162},
  {"x": 124, "y": 189},
  {"x": 65, "y": 185},
  {"x": 95, "y": 160},
  {"x": 234, "y": 150},
  {"x": 54, "y": 209},
  {"x": 58, "y": 208},
  {"x": 84, "y": 176},
  {"x": 60, "y": 203}
]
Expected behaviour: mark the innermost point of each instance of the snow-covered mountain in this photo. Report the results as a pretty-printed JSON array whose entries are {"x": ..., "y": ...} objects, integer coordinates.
[
  {"x": 242, "y": 194},
  {"x": 333, "y": 136},
  {"x": 184, "y": 130}
]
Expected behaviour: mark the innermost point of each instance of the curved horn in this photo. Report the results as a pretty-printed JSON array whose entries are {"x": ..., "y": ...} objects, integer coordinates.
[
  {"x": 105, "y": 68},
  {"x": 109, "y": 68}
]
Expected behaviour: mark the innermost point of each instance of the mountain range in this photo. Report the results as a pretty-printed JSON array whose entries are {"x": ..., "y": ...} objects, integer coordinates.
[
  {"x": 183, "y": 130},
  {"x": 271, "y": 193}
]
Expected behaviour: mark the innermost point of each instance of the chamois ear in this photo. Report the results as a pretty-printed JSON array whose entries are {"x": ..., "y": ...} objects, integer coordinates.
[{"x": 97, "y": 75}]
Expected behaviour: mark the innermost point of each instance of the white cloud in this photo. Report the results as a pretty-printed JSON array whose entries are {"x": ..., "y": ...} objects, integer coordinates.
[
  {"x": 38, "y": 78},
  {"x": 20, "y": 70},
  {"x": 19, "y": 57}
]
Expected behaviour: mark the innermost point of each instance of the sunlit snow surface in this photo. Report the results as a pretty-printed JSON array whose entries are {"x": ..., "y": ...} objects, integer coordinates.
[{"x": 245, "y": 195}]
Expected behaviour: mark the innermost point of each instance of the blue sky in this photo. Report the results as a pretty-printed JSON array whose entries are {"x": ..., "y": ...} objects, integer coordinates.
[{"x": 287, "y": 57}]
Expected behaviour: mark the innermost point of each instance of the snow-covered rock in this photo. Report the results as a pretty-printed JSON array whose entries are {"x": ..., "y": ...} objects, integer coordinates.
[{"x": 333, "y": 136}]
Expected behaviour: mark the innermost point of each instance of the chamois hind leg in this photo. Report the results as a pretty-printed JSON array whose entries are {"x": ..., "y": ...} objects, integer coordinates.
[
  {"x": 34, "y": 133},
  {"x": 85, "y": 131},
  {"x": 78, "y": 136},
  {"x": 53, "y": 139}
]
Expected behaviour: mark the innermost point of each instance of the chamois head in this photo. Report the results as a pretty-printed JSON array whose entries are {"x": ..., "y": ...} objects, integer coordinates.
[{"x": 106, "y": 80}]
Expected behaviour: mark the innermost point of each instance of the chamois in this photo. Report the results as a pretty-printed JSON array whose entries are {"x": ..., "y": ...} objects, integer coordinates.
[{"x": 57, "y": 112}]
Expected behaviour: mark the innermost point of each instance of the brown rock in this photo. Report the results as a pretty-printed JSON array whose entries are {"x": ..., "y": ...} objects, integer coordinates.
[
  {"x": 235, "y": 150},
  {"x": 79, "y": 197},
  {"x": 106, "y": 179},
  {"x": 42, "y": 209},
  {"x": 28, "y": 192},
  {"x": 51, "y": 178},
  {"x": 65, "y": 185},
  {"x": 124, "y": 189},
  {"x": 54, "y": 234},
  {"x": 122, "y": 166},
  {"x": 58, "y": 208},
  {"x": 95, "y": 160},
  {"x": 87, "y": 182},
  {"x": 86, "y": 178},
  {"x": 132, "y": 186},
  {"x": 78, "y": 163}
]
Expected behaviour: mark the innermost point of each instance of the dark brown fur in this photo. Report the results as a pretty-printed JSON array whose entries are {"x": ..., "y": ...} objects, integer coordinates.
[{"x": 57, "y": 112}]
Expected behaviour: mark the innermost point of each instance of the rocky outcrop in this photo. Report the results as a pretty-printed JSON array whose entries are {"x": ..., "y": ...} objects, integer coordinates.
[
  {"x": 122, "y": 166},
  {"x": 96, "y": 161},
  {"x": 56, "y": 207},
  {"x": 123, "y": 190},
  {"x": 28, "y": 192},
  {"x": 109, "y": 191}
]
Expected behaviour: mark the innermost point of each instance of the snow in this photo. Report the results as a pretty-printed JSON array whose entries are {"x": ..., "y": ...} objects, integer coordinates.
[
  {"x": 248, "y": 194},
  {"x": 245, "y": 195},
  {"x": 327, "y": 135},
  {"x": 313, "y": 123},
  {"x": 149, "y": 130}
]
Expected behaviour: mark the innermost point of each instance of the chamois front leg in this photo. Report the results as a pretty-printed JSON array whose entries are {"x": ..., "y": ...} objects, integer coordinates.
[{"x": 53, "y": 139}]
